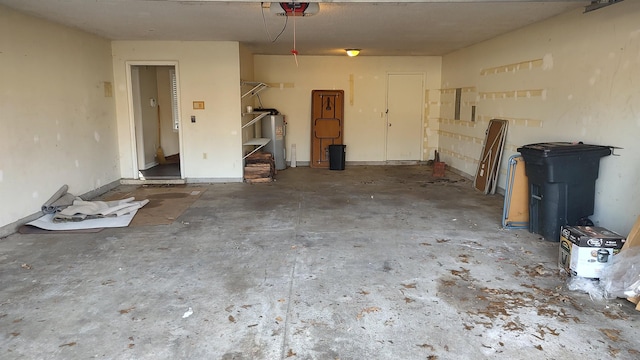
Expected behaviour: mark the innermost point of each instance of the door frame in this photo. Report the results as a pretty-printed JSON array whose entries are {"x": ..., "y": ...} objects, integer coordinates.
[
  {"x": 132, "y": 108},
  {"x": 422, "y": 117}
]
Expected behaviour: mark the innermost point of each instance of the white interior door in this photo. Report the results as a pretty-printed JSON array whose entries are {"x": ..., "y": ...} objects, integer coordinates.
[{"x": 404, "y": 116}]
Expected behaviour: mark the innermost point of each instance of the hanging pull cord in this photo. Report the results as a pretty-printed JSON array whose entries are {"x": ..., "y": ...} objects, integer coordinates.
[{"x": 294, "y": 51}]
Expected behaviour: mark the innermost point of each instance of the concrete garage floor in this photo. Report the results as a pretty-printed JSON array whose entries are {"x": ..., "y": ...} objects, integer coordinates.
[{"x": 366, "y": 263}]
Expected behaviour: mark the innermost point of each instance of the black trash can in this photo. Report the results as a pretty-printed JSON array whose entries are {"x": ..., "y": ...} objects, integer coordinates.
[
  {"x": 562, "y": 180},
  {"x": 337, "y": 155}
]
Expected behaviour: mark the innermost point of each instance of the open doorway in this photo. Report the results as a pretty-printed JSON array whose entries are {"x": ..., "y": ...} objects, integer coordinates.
[{"x": 154, "y": 99}]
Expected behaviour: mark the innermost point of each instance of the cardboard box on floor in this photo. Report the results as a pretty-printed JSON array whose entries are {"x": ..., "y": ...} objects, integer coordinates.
[
  {"x": 585, "y": 251},
  {"x": 634, "y": 240}
]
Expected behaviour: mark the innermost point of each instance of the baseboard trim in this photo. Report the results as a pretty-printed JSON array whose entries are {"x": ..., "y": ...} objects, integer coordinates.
[
  {"x": 213, "y": 180},
  {"x": 369, "y": 163},
  {"x": 153, "y": 182}
]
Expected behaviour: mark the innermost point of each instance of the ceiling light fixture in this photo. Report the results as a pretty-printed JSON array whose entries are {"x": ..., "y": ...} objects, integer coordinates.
[{"x": 352, "y": 52}]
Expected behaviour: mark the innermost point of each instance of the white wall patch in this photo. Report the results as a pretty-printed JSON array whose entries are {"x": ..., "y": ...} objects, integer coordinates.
[
  {"x": 36, "y": 139},
  {"x": 77, "y": 163},
  {"x": 96, "y": 136},
  {"x": 547, "y": 62},
  {"x": 1, "y": 175},
  {"x": 58, "y": 136},
  {"x": 34, "y": 194},
  {"x": 570, "y": 97},
  {"x": 544, "y": 94},
  {"x": 594, "y": 78}
]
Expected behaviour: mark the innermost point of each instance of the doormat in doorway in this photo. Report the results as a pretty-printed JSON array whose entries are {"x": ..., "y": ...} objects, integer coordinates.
[{"x": 166, "y": 203}]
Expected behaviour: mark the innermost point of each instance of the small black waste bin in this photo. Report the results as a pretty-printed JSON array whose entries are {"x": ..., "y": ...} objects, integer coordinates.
[
  {"x": 337, "y": 155},
  {"x": 562, "y": 180}
]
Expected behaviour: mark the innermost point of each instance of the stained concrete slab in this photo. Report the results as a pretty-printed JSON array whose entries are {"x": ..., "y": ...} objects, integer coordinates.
[{"x": 366, "y": 263}]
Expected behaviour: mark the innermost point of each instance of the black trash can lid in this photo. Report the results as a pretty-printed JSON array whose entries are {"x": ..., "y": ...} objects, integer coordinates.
[{"x": 564, "y": 149}]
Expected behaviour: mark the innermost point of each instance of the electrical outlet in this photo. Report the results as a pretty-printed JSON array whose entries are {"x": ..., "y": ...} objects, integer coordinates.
[
  {"x": 193, "y": 118},
  {"x": 204, "y": 156}
]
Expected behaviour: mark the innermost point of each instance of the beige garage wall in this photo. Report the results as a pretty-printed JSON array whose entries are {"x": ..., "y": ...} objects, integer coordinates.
[
  {"x": 246, "y": 74},
  {"x": 365, "y": 122},
  {"x": 57, "y": 115},
  {"x": 207, "y": 71},
  {"x": 571, "y": 78}
]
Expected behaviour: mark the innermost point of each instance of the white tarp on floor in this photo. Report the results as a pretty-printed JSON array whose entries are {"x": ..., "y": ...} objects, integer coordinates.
[{"x": 46, "y": 222}]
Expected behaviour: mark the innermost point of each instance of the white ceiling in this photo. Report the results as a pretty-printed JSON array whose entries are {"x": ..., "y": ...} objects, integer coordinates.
[{"x": 428, "y": 27}]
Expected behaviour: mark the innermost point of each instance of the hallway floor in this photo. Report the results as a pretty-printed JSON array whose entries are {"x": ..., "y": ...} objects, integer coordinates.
[{"x": 368, "y": 263}]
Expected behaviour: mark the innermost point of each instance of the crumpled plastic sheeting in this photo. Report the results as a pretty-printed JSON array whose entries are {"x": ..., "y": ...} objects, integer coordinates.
[
  {"x": 589, "y": 286},
  {"x": 622, "y": 277}
]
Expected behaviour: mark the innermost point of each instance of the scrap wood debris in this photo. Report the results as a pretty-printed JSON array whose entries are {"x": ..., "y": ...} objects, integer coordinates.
[
  {"x": 126, "y": 311},
  {"x": 260, "y": 168},
  {"x": 612, "y": 334},
  {"x": 462, "y": 274},
  {"x": 427, "y": 346},
  {"x": 497, "y": 307},
  {"x": 537, "y": 270},
  {"x": 367, "y": 310}
]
